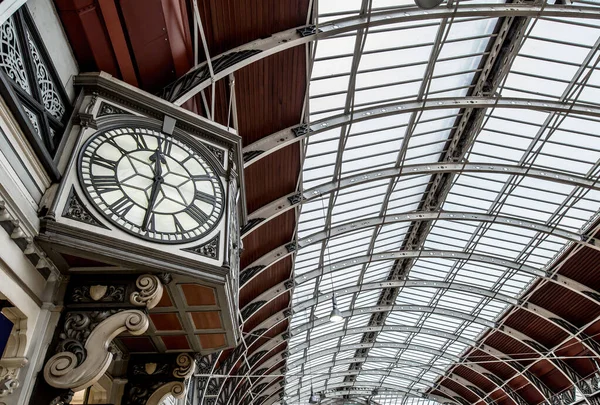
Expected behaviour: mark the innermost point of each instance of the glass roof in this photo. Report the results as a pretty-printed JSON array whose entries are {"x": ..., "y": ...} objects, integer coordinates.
[{"x": 463, "y": 270}]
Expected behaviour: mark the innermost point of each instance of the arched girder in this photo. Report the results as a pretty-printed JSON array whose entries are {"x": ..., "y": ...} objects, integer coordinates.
[
  {"x": 199, "y": 77},
  {"x": 264, "y": 299},
  {"x": 397, "y": 308},
  {"x": 273, "y": 359},
  {"x": 466, "y": 288},
  {"x": 419, "y": 216},
  {"x": 382, "y": 345},
  {"x": 467, "y": 385},
  {"x": 258, "y": 332},
  {"x": 281, "y": 252},
  {"x": 544, "y": 391},
  {"x": 376, "y": 359},
  {"x": 292, "y": 200},
  {"x": 482, "y": 346},
  {"x": 535, "y": 382},
  {"x": 573, "y": 331},
  {"x": 423, "y": 254},
  {"x": 370, "y": 385},
  {"x": 478, "y": 369},
  {"x": 266, "y": 392},
  {"x": 395, "y": 394},
  {"x": 567, "y": 371},
  {"x": 386, "y": 328},
  {"x": 315, "y": 380},
  {"x": 266, "y": 374},
  {"x": 289, "y": 136},
  {"x": 411, "y": 363},
  {"x": 562, "y": 281}
]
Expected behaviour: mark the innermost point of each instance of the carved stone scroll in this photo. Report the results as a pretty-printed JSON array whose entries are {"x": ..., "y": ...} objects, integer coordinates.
[
  {"x": 150, "y": 291},
  {"x": 64, "y": 370},
  {"x": 185, "y": 366}
]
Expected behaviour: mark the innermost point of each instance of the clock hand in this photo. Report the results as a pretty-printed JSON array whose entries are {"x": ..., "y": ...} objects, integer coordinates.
[{"x": 158, "y": 158}]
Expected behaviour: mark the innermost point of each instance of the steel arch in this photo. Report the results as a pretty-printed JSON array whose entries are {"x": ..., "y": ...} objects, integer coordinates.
[
  {"x": 199, "y": 77},
  {"x": 292, "y": 200},
  {"x": 286, "y": 137}
]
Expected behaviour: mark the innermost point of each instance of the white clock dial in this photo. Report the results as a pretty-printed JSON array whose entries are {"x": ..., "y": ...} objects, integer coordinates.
[{"x": 151, "y": 185}]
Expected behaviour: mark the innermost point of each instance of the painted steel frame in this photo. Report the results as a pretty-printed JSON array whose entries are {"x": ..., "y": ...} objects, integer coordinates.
[
  {"x": 289, "y": 136},
  {"x": 301, "y": 35},
  {"x": 293, "y": 200}
]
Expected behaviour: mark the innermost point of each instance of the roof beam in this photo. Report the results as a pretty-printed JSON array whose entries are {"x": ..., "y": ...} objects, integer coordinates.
[
  {"x": 293, "y": 200},
  {"x": 417, "y": 216},
  {"x": 289, "y": 136},
  {"x": 200, "y": 77}
]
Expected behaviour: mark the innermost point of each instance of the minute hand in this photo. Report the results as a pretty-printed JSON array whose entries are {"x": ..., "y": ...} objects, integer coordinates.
[{"x": 158, "y": 158}]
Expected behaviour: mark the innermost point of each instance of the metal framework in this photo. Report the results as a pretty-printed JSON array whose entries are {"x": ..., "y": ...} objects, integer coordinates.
[
  {"x": 293, "y": 200},
  {"x": 286, "y": 137},
  {"x": 201, "y": 76},
  {"x": 428, "y": 206}
]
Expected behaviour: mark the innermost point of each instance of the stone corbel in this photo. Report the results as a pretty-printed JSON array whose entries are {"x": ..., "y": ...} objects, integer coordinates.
[
  {"x": 185, "y": 369},
  {"x": 84, "y": 350},
  {"x": 79, "y": 369},
  {"x": 150, "y": 291}
]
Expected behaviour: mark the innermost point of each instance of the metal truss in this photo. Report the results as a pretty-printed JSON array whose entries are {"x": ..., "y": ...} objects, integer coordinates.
[
  {"x": 216, "y": 68},
  {"x": 586, "y": 292},
  {"x": 266, "y": 349},
  {"x": 292, "y": 200},
  {"x": 264, "y": 299},
  {"x": 418, "y": 216},
  {"x": 286, "y": 137},
  {"x": 256, "y": 387},
  {"x": 235, "y": 357},
  {"x": 286, "y": 286},
  {"x": 525, "y": 369},
  {"x": 560, "y": 280},
  {"x": 467, "y": 385},
  {"x": 514, "y": 334},
  {"x": 466, "y": 288},
  {"x": 414, "y": 364}
]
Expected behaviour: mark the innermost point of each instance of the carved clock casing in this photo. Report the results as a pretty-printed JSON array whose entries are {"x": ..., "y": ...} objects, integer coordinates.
[{"x": 151, "y": 187}]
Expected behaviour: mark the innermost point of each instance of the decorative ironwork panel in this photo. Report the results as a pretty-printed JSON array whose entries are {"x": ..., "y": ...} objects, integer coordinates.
[
  {"x": 50, "y": 98},
  {"x": 209, "y": 249},
  {"x": 109, "y": 109},
  {"x": 11, "y": 56},
  {"x": 195, "y": 77},
  {"x": 31, "y": 86}
]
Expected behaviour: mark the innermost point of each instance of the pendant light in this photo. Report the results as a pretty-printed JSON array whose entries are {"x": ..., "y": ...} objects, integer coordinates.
[
  {"x": 335, "y": 316},
  {"x": 427, "y": 4}
]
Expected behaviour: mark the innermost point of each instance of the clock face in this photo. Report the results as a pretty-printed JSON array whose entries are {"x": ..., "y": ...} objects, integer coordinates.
[{"x": 150, "y": 184}]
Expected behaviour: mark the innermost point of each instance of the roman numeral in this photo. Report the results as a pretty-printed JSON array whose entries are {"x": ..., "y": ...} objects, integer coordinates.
[
  {"x": 114, "y": 143},
  {"x": 104, "y": 184},
  {"x": 197, "y": 214},
  {"x": 121, "y": 206},
  {"x": 106, "y": 163},
  {"x": 166, "y": 146},
  {"x": 207, "y": 198},
  {"x": 140, "y": 141},
  {"x": 151, "y": 226},
  {"x": 201, "y": 177},
  {"x": 178, "y": 227}
]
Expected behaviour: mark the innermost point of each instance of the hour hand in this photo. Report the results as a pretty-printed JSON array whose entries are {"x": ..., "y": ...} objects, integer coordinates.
[{"x": 158, "y": 158}]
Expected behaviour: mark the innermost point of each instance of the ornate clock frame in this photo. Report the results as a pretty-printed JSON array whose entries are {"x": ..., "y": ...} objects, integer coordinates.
[{"x": 73, "y": 227}]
